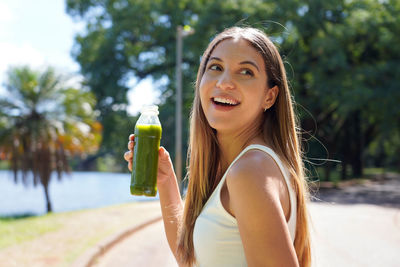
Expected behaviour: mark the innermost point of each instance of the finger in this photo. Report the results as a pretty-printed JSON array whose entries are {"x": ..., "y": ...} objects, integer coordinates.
[
  {"x": 128, "y": 156},
  {"x": 130, "y": 165},
  {"x": 131, "y": 144},
  {"x": 132, "y": 137}
]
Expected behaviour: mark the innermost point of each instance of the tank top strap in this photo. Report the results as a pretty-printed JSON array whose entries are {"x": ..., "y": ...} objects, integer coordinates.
[
  {"x": 221, "y": 182},
  {"x": 277, "y": 160},
  {"x": 268, "y": 151},
  {"x": 286, "y": 176}
]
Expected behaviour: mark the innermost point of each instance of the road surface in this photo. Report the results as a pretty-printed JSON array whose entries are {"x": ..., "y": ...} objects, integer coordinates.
[
  {"x": 354, "y": 226},
  {"x": 342, "y": 235}
]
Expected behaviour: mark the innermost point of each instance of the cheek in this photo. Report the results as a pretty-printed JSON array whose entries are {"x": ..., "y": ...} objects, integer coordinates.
[
  {"x": 202, "y": 103},
  {"x": 255, "y": 97},
  {"x": 254, "y": 105},
  {"x": 203, "y": 93}
]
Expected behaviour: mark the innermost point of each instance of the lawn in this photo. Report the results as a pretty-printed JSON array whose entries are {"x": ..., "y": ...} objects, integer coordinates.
[
  {"x": 14, "y": 230},
  {"x": 59, "y": 239}
]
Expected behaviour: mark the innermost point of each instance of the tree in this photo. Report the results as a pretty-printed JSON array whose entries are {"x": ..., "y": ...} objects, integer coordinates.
[
  {"x": 136, "y": 38},
  {"x": 342, "y": 59},
  {"x": 345, "y": 74},
  {"x": 43, "y": 121}
]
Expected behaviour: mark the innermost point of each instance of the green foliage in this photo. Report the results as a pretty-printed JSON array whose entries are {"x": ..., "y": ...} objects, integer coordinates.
[
  {"x": 125, "y": 39},
  {"x": 108, "y": 163},
  {"x": 347, "y": 75},
  {"x": 341, "y": 57}
]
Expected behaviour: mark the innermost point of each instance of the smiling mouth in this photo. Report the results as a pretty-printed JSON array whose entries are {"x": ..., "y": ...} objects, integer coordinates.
[{"x": 224, "y": 102}]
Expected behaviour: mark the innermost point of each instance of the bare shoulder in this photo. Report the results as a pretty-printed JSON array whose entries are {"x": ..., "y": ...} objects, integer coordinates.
[
  {"x": 255, "y": 169},
  {"x": 259, "y": 201},
  {"x": 256, "y": 179}
]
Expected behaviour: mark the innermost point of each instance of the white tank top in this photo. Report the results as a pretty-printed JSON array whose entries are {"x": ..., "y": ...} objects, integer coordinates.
[{"x": 216, "y": 235}]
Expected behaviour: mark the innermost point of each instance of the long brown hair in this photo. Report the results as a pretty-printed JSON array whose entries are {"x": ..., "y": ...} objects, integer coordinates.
[{"x": 279, "y": 127}]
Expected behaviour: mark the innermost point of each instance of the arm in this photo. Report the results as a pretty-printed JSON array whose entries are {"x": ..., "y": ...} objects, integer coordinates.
[
  {"x": 170, "y": 199},
  {"x": 256, "y": 195}
]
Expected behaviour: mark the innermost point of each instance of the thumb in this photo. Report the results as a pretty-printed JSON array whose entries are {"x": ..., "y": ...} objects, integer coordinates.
[{"x": 163, "y": 154}]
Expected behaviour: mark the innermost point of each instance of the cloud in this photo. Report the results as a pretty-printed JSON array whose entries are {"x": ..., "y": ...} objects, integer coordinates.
[
  {"x": 7, "y": 16},
  {"x": 12, "y": 55},
  {"x": 27, "y": 37},
  {"x": 5, "y": 13},
  {"x": 20, "y": 55},
  {"x": 24, "y": 54}
]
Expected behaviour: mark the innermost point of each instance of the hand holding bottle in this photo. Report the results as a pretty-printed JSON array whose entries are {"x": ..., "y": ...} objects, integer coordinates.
[{"x": 165, "y": 168}]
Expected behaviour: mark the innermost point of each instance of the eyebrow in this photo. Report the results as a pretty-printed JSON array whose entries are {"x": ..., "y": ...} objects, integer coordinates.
[
  {"x": 241, "y": 63},
  {"x": 215, "y": 58}
]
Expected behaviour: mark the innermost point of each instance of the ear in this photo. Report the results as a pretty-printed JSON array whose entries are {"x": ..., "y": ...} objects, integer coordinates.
[{"x": 270, "y": 97}]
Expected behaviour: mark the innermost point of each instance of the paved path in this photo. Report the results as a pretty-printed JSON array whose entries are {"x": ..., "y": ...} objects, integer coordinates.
[
  {"x": 145, "y": 248},
  {"x": 359, "y": 235},
  {"x": 347, "y": 233},
  {"x": 343, "y": 235},
  {"x": 358, "y": 224}
]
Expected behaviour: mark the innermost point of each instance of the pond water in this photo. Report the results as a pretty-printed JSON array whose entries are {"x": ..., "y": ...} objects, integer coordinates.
[{"x": 79, "y": 190}]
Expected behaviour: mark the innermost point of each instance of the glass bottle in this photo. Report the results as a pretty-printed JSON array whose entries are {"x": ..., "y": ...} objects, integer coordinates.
[{"x": 145, "y": 157}]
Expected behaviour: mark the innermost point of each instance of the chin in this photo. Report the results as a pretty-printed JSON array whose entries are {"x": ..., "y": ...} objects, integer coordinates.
[{"x": 223, "y": 127}]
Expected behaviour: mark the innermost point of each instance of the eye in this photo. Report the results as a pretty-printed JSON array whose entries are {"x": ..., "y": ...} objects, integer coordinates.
[
  {"x": 215, "y": 67},
  {"x": 247, "y": 72}
]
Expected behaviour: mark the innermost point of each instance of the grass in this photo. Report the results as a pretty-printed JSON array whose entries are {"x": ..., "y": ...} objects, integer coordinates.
[
  {"x": 59, "y": 239},
  {"x": 4, "y": 165},
  {"x": 374, "y": 171},
  {"x": 17, "y": 229},
  {"x": 317, "y": 174},
  {"x": 317, "y": 178}
]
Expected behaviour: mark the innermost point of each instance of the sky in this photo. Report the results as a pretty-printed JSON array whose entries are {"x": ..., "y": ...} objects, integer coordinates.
[{"x": 40, "y": 33}]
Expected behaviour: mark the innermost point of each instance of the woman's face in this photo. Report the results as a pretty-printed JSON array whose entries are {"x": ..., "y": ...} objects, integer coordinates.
[{"x": 233, "y": 89}]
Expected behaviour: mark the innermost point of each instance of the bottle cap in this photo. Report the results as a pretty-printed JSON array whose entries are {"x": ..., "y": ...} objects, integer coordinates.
[{"x": 150, "y": 109}]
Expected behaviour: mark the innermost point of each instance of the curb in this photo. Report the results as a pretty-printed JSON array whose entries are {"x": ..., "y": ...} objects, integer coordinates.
[{"x": 92, "y": 255}]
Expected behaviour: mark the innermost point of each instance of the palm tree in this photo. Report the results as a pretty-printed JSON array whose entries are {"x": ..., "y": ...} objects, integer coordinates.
[{"x": 43, "y": 122}]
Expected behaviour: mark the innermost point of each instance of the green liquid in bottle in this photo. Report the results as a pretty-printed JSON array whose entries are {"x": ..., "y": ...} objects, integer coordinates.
[{"x": 145, "y": 160}]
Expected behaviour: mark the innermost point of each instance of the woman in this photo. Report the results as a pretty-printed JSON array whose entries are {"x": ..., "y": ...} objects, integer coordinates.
[{"x": 246, "y": 198}]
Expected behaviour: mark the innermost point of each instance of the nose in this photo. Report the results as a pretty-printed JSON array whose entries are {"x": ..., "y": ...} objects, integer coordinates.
[{"x": 225, "y": 81}]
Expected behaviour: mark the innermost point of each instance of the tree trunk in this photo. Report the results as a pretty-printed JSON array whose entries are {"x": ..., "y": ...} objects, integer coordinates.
[
  {"x": 48, "y": 202},
  {"x": 346, "y": 149},
  {"x": 357, "y": 155},
  {"x": 344, "y": 170},
  {"x": 327, "y": 170}
]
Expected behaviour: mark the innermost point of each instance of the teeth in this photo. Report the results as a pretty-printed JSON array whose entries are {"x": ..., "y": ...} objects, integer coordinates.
[{"x": 225, "y": 101}]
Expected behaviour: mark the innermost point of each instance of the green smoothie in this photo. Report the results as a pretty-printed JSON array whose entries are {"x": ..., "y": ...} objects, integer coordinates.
[{"x": 145, "y": 160}]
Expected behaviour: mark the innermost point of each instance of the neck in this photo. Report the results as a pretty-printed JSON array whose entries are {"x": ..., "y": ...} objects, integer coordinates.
[{"x": 230, "y": 145}]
